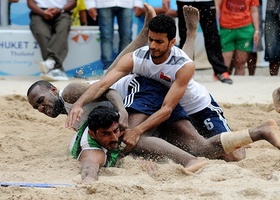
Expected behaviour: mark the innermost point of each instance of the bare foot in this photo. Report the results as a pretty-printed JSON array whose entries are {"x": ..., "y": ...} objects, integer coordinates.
[
  {"x": 235, "y": 156},
  {"x": 276, "y": 99},
  {"x": 195, "y": 165},
  {"x": 149, "y": 14},
  {"x": 268, "y": 131},
  {"x": 191, "y": 15}
]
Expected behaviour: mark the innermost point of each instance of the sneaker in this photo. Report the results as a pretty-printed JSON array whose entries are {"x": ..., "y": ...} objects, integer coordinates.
[
  {"x": 54, "y": 75},
  {"x": 224, "y": 78},
  {"x": 47, "y": 65}
]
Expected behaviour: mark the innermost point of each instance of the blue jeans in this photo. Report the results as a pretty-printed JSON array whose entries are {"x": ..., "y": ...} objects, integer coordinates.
[
  {"x": 106, "y": 18},
  {"x": 272, "y": 37}
]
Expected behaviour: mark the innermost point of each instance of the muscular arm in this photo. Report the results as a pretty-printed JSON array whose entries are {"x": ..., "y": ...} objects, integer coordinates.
[
  {"x": 123, "y": 67},
  {"x": 115, "y": 98},
  {"x": 171, "y": 99},
  {"x": 73, "y": 91},
  {"x": 91, "y": 161}
]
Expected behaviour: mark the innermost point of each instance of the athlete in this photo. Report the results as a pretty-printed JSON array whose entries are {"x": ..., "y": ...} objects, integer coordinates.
[
  {"x": 276, "y": 99},
  {"x": 169, "y": 65}
]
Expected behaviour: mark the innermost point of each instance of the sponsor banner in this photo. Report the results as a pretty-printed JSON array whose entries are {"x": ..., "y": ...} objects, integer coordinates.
[{"x": 20, "y": 53}]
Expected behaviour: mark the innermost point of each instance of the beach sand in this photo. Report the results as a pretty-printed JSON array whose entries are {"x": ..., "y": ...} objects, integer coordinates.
[{"x": 34, "y": 149}]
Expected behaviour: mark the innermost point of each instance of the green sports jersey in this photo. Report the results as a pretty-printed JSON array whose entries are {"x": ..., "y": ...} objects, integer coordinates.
[{"x": 111, "y": 156}]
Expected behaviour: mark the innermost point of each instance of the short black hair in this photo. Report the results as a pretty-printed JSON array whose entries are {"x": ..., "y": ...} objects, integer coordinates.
[
  {"x": 40, "y": 83},
  {"x": 163, "y": 24},
  {"x": 102, "y": 117}
]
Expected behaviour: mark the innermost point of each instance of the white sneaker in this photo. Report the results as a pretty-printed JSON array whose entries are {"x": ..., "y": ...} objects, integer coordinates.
[
  {"x": 54, "y": 75},
  {"x": 47, "y": 65}
]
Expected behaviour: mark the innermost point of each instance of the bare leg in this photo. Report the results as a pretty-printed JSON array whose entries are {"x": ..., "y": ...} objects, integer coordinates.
[
  {"x": 268, "y": 131},
  {"x": 274, "y": 68},
  {"x": 159, "y": 148},
  {"x": 239, "y": 61},
  {"x": 251, "y": 63},
  {"x": 191, "y": 19},
  {"x": 276, "y": 99},
  {"x": 141, "y": 39},
  {"x": 155, "y": 147},
  {"x": 188, "y": 139},
  {"x": 228, "y": 60}
]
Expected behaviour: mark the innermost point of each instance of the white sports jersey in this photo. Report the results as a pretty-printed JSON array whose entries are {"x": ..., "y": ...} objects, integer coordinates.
[
  {"x": 122, "y": 85},
  {"x": 196, "y": 97}
]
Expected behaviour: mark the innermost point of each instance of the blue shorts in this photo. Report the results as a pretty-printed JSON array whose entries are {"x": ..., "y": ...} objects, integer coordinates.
[
  {"x": 146, "y": 96},
  {"x": 210, "y": 121}
]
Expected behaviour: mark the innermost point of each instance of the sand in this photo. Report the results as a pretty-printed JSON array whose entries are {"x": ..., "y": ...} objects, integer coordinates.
[{"x": 34, "y": 149}]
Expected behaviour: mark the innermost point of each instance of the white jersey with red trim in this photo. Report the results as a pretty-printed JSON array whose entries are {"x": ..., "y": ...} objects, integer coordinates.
[{"x": 196, "y": 97}]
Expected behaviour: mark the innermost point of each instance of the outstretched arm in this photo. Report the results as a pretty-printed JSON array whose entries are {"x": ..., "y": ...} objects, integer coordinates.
[
  {"x": 91, "y": 161},
  {"x": 123, "y": 67},
  {"x": 73, "y": 91}
]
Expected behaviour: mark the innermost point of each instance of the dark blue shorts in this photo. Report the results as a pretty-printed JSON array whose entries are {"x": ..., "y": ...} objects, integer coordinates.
[
  {"x": 146, "y": 96},
  {"x": 210, "y": 121}
]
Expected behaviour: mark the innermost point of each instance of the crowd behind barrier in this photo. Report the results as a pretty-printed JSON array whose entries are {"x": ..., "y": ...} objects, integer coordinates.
[{"x": 20, "y": 53}]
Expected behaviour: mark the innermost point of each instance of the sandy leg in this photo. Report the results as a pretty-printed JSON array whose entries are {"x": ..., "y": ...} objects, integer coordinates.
[
  {"x": 195, "y": 165},
  {"x": 268, "y": 131},
  {"x": 276, "y": 99},
  {"x": 191, "y": 15},
  {"x": 150, "y": 13}
]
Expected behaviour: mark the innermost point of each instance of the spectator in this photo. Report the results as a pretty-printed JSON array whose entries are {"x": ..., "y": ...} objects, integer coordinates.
[
  {"x": 79, "y": 14},
  {"x": 210, "y": 32},
  {"x": 9, "y": 10},
  {"x": 272, "y": 36},
  {"x": 253, "y": 55},
  {"x": 159, "y": 9},
  {"x": 106, "y": 12},
  {"x": 239, "y": 30},
  {"x": 50, "y": 23}
]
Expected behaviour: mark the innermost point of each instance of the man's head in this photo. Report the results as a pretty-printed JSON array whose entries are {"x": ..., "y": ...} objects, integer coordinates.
[
  {"x": 161, "y": 36},
  {"x": 103, "y": 124},
  {"x": 43, "y": 96},
  {"x": 163, "y": 24}
]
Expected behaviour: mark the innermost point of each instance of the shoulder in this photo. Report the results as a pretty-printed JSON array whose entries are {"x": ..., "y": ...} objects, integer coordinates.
[
  {"x": 142, "y": 52},
  {"x": 73, "y": 91},
  {"x": 178, "y": 57}
]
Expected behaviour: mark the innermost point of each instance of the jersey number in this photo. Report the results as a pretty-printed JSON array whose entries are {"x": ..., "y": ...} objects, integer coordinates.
[{"x": 209, "y": 125}]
